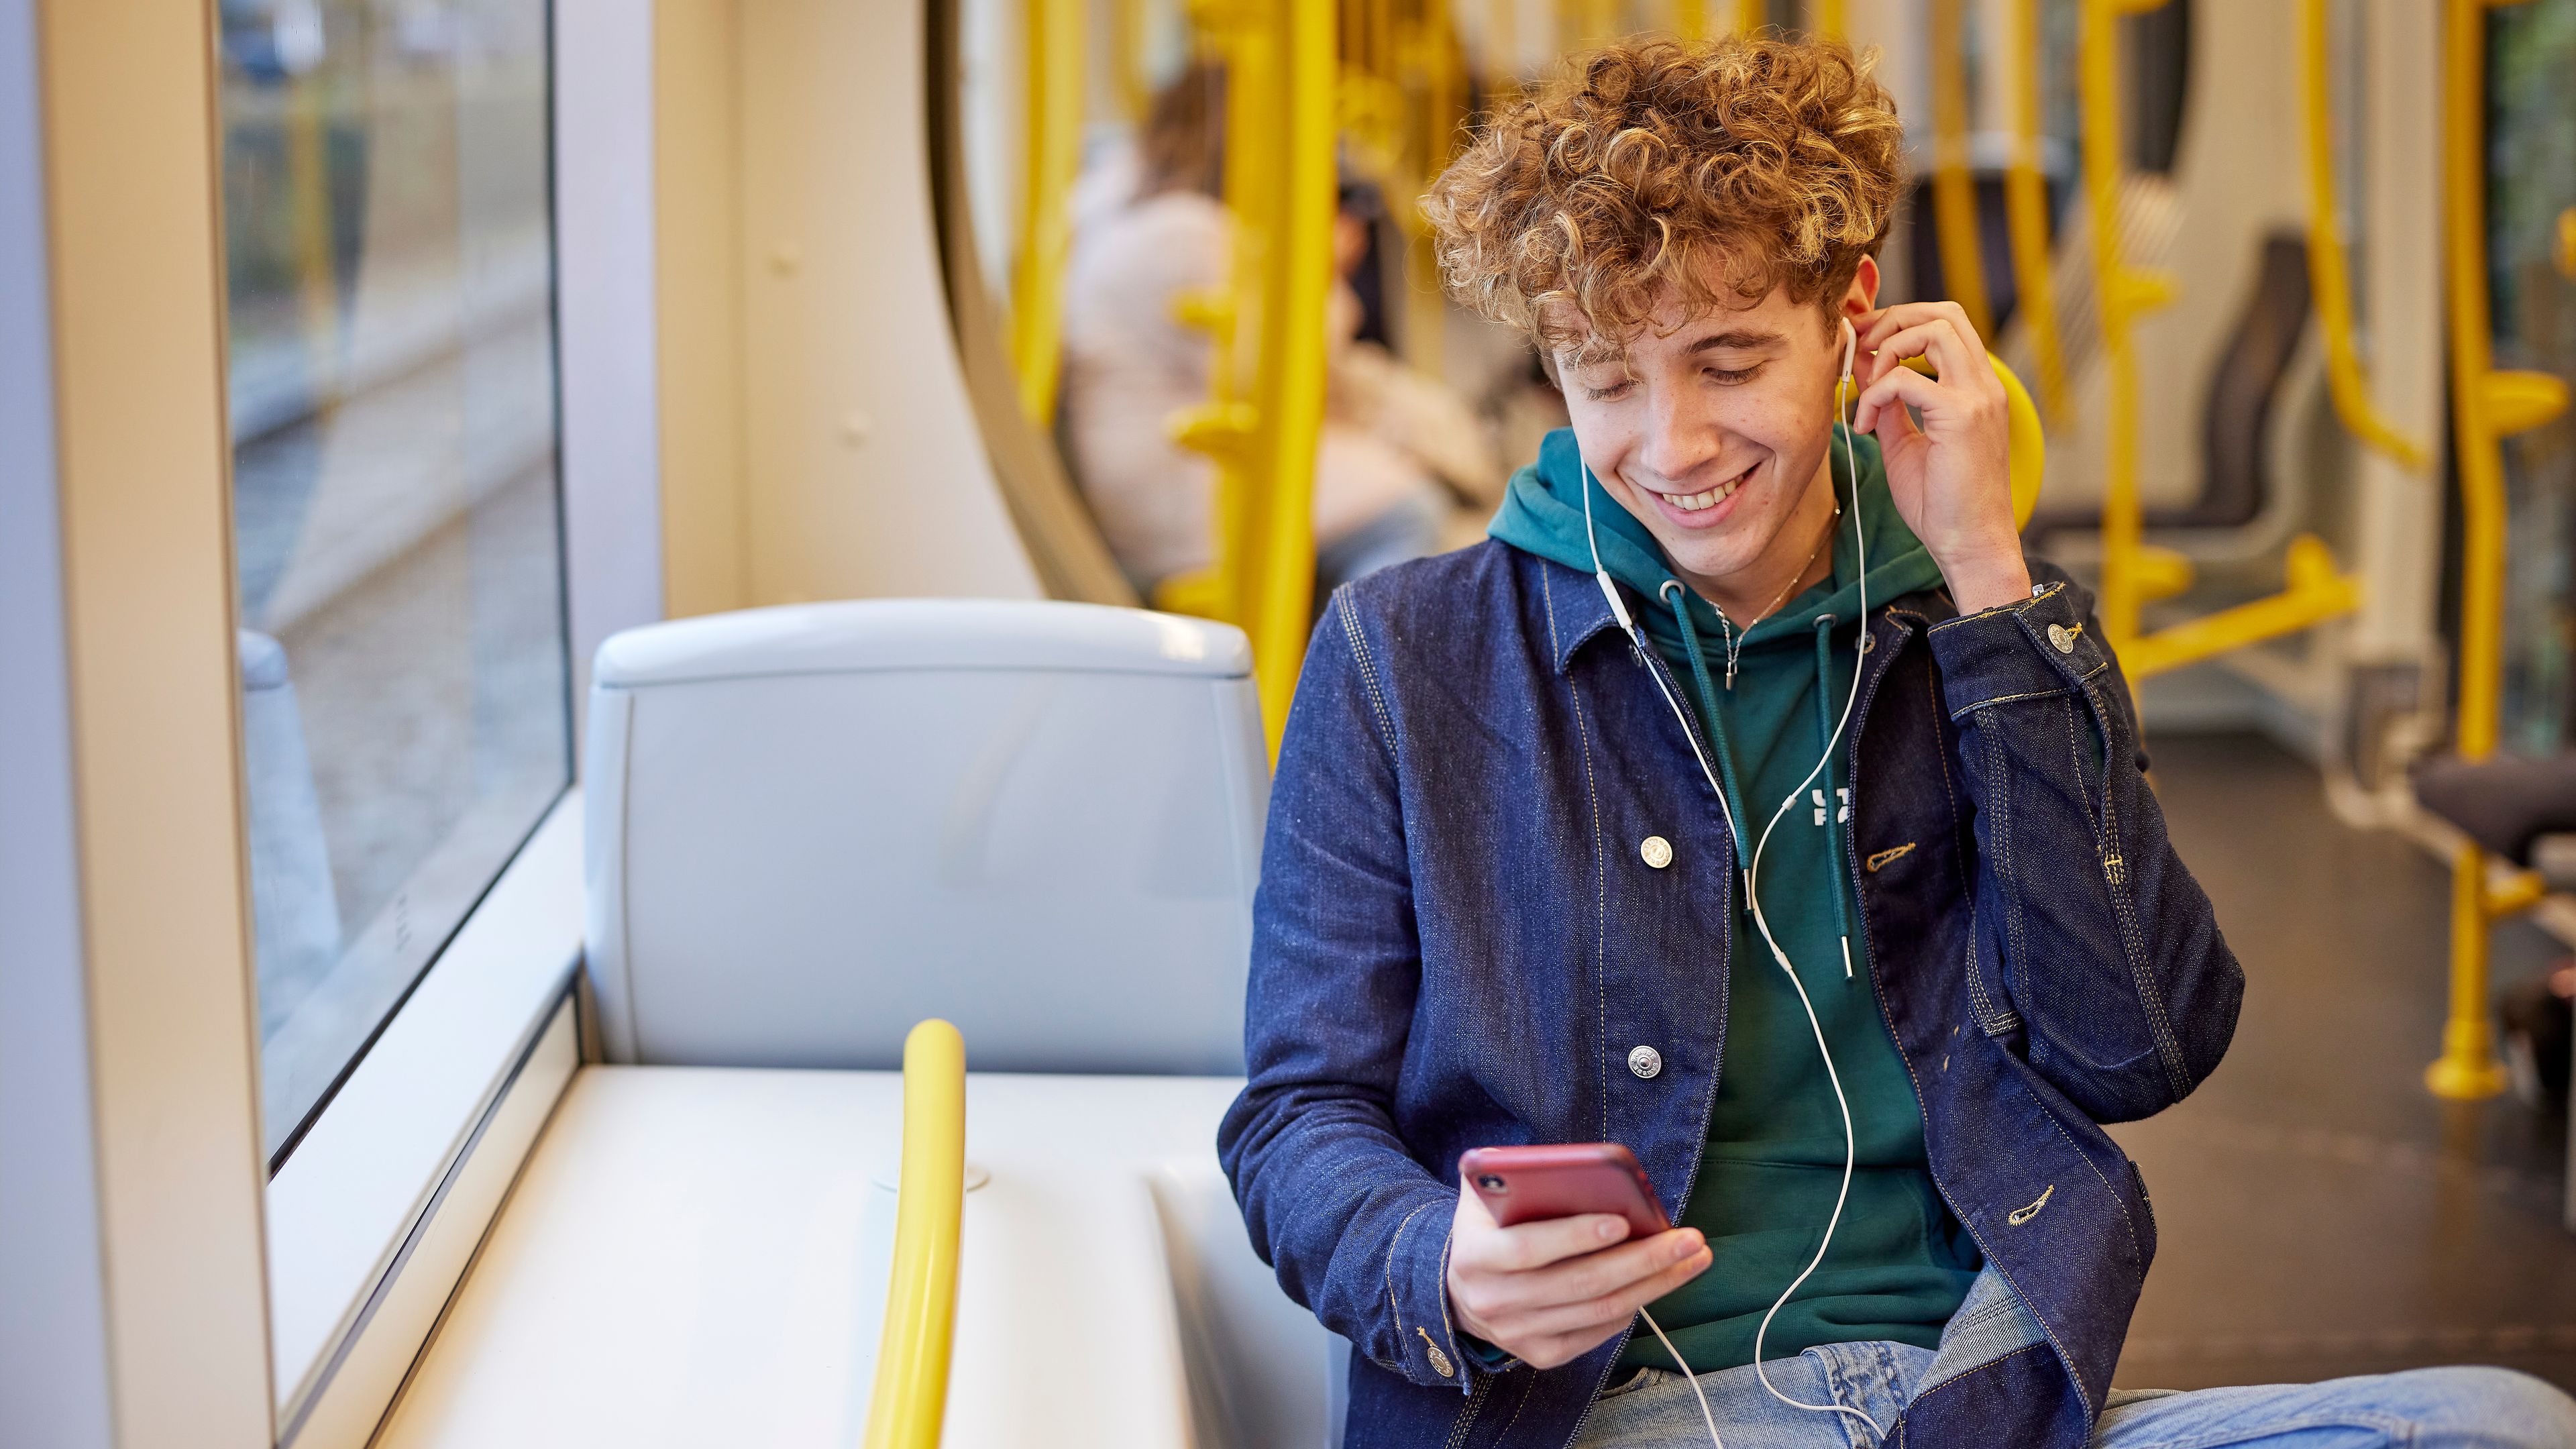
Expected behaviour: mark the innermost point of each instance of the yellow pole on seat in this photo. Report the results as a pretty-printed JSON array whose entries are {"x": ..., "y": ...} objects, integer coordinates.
[
  {"x": 1954, "y": 186},
  {"x": 1055, "y": 61},
  {"x": 2487, "y": 405},
  {"x": 2330, "y": 281},
  {"x": 910, "y": 1398}
]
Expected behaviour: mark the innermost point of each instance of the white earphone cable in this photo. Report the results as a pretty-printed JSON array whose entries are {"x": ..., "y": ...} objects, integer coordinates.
[{"x": 1753, "y": 899}]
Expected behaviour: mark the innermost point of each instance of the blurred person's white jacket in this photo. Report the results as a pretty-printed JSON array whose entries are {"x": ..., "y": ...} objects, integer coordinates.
[{"x": 1390, "y": 437}]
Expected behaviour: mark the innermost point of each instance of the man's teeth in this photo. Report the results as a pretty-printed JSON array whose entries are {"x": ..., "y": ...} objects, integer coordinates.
[{"x": 1694, "y": 502}]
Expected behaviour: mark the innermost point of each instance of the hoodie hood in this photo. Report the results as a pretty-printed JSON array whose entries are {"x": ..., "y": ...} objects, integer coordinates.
[{"x": 1542, "y": 514}]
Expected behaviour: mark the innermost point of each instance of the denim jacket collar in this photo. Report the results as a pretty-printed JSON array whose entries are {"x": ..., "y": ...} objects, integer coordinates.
[{"x": 1578, "y": 612}]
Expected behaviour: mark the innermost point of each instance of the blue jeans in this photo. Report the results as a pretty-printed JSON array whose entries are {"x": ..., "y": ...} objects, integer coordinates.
[{"x": 2435, "y": 1408}]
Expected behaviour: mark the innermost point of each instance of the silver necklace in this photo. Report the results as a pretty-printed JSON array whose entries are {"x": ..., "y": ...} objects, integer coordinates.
[{"x": 1734, "y": 637}]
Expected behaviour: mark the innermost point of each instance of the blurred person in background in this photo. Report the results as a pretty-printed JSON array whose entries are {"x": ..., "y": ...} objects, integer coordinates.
[{"x": 1399, "y": 454}]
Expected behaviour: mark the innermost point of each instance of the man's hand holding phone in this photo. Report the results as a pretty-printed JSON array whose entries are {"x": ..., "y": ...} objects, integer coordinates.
[{"x": 1550, "y": 1289}]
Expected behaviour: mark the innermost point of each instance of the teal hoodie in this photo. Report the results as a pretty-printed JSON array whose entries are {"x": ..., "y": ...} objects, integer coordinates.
[{"x": 1900, "y": 1263}]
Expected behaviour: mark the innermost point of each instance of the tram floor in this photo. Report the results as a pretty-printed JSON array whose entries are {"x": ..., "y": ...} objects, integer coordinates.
[{"x": 2321, "y": 1214}]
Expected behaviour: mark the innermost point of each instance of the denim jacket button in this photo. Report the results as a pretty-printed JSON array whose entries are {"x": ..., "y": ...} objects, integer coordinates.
[
  {"x": 2062, "y": 637},
  {"x": 1645, "y": 1061},
  {"x": 1657, "y": 850}
]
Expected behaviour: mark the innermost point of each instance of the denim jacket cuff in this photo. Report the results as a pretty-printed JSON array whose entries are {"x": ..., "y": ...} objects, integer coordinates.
[
  {"x": 1428, "y": 1348},
  {"x": 2027, "y": 650},
  {"x": 1486, "y": 1357}
]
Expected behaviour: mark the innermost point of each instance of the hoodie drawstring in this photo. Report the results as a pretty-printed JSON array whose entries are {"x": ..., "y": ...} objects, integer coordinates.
[
  {"x": 1829, "y": 803},
  {"x": 1679, "y": 599}
]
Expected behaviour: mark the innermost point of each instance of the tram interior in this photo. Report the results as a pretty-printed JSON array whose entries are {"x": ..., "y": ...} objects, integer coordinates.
[{"x": 683, "y": 542}]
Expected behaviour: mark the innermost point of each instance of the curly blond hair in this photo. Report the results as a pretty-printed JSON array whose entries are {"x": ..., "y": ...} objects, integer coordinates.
[{"x": 1737, "y": 164}]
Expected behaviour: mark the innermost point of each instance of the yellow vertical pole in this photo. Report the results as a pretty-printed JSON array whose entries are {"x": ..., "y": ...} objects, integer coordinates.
[
  {"x": 2331, "y": 282},
  {"x": 1055, "y": 64},
  {"x": 1954, "y": 186},
  {"x": 1253, "y": 105},
  {"x": 2486, "y": 406},
  {"x": 1127, "y": 58},
  {"x": 2026, "y": 210},
  {"x": 1828, "y": 20},
  {"x": 2125, "y": 292},
  {"x": 1690, "y": 19},
  {"x": 910, "y": 1398},
  {"x": 1583, "y": 24},
  {"x": 1751, "y": 15},
  {"x": 1426, "y": 314},
  {"x": 1290, "y": 380}
]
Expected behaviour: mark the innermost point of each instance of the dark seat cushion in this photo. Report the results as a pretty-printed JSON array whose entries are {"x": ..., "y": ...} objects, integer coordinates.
[{"x": 2504, "y": 802}]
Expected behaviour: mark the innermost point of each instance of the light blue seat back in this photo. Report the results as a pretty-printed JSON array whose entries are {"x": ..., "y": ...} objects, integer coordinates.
[{"x": 810, "y": 827}]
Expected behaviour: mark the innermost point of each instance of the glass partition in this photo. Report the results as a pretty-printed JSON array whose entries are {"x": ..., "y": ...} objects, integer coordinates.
[
  {"x": 389, "y": 253},
  {"x": 2531, "y": 211}
]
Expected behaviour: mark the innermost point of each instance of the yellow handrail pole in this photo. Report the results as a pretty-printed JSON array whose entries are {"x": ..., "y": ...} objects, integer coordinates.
[
  {"x": 1055, "y": 61},
  {"x": 2331, "y": 279},
  {"x": 2486, "y": 406},
  {"x": 910, "y": 1399},
  {"x": 1690, "y": 19},
  {"x": 2124, "y": 292},
  {"x": 2132, "y": 572},
  {"x": 1584, "y": 24},
  {"x": 1290, "y": 385},
  {"x": 2098, "y": 68},
  {"x": 1426, "y": 313},
  {"x": 2026, "y": 212},
  {"x": 1954, "y": 187},
  {"x": 1751, "y": 15},
  {"x": 1127, "y": 58},
  {"x": 1828, "y": 20},
  {"x": 1225, "y": 428},
  {"x": 1254, "y": 103}
]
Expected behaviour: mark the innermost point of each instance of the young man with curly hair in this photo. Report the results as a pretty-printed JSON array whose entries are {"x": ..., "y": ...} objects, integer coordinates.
[{"x": 1506, "y": 895}]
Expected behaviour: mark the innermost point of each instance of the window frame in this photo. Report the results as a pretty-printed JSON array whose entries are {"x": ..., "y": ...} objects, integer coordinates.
[
  {"x": 472, "y": 1047},
  {"x": 367, "y": 1175}
]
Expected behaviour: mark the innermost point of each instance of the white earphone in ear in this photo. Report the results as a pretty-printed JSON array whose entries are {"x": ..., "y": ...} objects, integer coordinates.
[{"x": 1851, "y": 347}]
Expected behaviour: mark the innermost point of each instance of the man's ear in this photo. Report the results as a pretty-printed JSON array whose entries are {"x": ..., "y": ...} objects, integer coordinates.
[{"x": 1862, "y": 294}]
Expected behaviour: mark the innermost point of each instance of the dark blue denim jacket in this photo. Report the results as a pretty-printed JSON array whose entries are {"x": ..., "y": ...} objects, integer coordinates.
[{"x": 1456, "y": 944}]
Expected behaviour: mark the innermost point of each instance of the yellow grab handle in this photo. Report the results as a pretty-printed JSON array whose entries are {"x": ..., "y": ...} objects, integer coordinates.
[
  {"x": 2518, "y": 402},
  {"x": 911, "y": 1395},
  {"x": 2331, "y": 282}
]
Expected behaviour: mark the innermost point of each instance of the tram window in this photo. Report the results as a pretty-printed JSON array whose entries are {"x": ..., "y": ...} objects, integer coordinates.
[
  {"x": 389, "y": 250},
  {"x": 2531, "y": 190}
]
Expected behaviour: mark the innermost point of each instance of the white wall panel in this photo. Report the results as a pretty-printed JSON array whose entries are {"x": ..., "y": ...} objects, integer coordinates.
[
  {"x": 53, "y": 1323},
  {"x": 865, "y": 472}
]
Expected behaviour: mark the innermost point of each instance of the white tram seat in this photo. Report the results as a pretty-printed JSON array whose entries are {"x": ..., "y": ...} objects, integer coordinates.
[{"x": 810, "y": 827}]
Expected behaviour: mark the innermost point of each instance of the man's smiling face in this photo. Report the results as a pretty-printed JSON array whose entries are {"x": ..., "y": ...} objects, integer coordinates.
[{"x": 1713, "y": 427}]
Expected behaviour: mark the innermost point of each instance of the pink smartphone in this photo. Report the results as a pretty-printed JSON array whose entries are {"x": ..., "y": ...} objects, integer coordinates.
[{"x": 1526, "y": 1184}]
